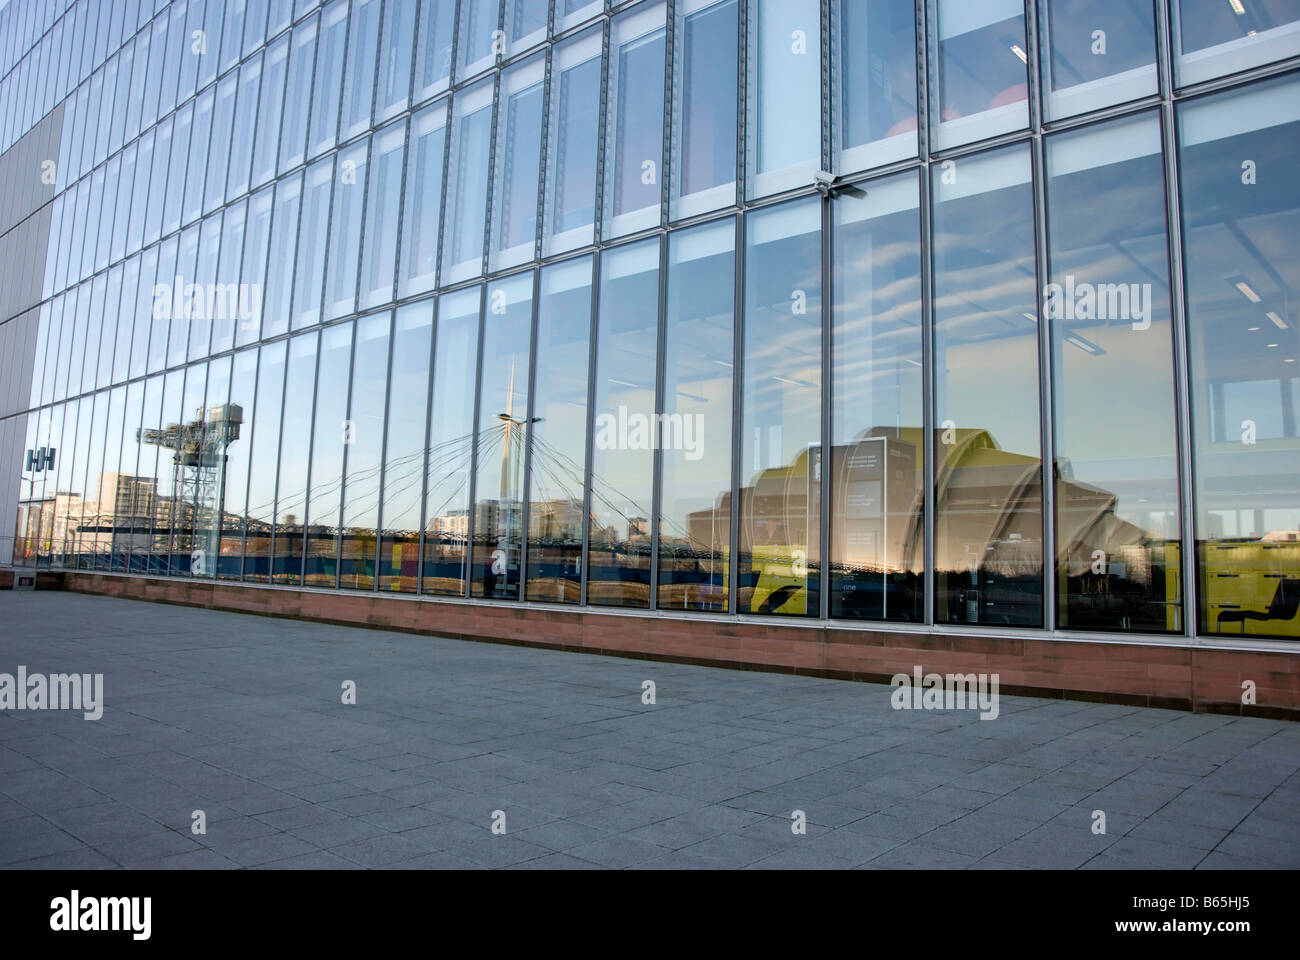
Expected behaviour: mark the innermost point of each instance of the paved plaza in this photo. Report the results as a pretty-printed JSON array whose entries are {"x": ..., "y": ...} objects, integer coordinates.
[{"x": 242, "y": 717}]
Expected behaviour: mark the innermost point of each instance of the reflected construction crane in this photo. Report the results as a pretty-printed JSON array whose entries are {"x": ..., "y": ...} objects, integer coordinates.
[{"x": 199, "y": 474}]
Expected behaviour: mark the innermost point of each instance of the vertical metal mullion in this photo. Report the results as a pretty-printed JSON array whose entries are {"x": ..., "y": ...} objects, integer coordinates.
[
  {"x": 666, "y": 152},
  {"x": 738, "y": 314},
  {"x": 929, "y": 503},
  {"x": 428, "y": 428},
  {"x": 592, "y": 340},
  {"x": 1046, "y": 378},
  {"x": 343, "y": 467},
  {"x": 598, "y": 227},
  {"x": 737, "y": 415},
  {"x": 449, "y": 131},
  {"x": 1187, "y": 552},
  {"x": 825, "y": 483},
  {"x": 383, "y": 447},
  {"x": 656, "y": 477},
  {"x": 473, "y": 459},
  {"x": 525, "y": 515},
  {"x": 827, "y": 107},
  {"x": 1033, "y": 66},
  {"x": 488, "y": 211},
  {"x": 543, "y": 156},
  {"x": 453, "y": 76}
]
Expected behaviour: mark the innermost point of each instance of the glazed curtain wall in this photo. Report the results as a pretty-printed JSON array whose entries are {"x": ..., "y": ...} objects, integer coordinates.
[{"x": 539, "y": 301}]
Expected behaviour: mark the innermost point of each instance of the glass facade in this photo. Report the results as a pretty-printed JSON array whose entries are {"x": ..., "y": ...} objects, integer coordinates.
[{"x": 978, "y": 314}]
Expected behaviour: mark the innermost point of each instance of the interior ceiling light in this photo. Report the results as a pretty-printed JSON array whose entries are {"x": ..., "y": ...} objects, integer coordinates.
[
  {"x": 1015, "y": 48},
  {"x": 1277, "y": 321},
  {"x": 1246, "y": 291}
]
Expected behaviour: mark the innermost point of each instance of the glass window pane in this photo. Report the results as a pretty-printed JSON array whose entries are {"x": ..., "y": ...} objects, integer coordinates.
[
  {"x": 503, "y": 436},
  {"x": 213, "y": 15},
  {"x": 97, "y": 518},
  {"x": 161, "y": 159},
  {"x": 446, "y": 511},
  {"x": 558, "y": 444},
  {"x": 359, "y": 83},
  {"x": 312, "y": 237},
  {"x": 135, "y": 97},
  {"x": 198, "y": 300},
  {"x": 408, "y": 399},
  {"x": 126, "y": 319},
  {"x": 267, "y": 125},
  {"x": 1117, "y": 513},
  {"x": 107, "y": 212},
  {"x": 383, "y": 205},
  {"x": 329, "y": 438},
  {"x": 477, "y": 40},
  {"x": 176, "y": 164},
  {"x": 145, "y": 506},
  {"x": 89, "y": 347},
  {"x": 634, "y": 125},
  {"x": 122, "y": 214},
  {"x": 295, "y": 448},
  {"x": 780, "y": 468},
  {"x": 705, "y": 84},
  {"x": 873, "y": 83},
  {"x": 570, "y": 13},
  {"x": 433, "y": 47},
  {"x": 394, "y": 81},
  {"x": 215, "y": 422},
  {"x": 219, "y": 146},
  {"x": 1241, "y": 230},
  {"x": 618, "y": 565},
  {"x": 142, "y": 314},
  {"x": 1095, "y": 54},
  {"x": 140, "y": 197},
  {"x": 422, "y": 210},
  {"x": 165, "y": 317},
  {"x": 241, "y": 133},
  {"x": 131, "y": 499},
  {"x": 116, "y": 336},
  {"x": 467, "y": 184},
  {"x": 198, "y": 157},
  {"x": 1213, "y": 38},
  {"x": 223, "y": 297},
  {"x": 364, "y": 440},
  {"x": 233, "y": 498},
  {"x": 326, "y": 89},
  {"x": 253, "y": 264},
  {"x": 784, "y": 99},
  {"x": 696, "y": 429},
  {"x": 987, "y": 446},
  {"x": 978, "y": 70},
  {"x": 259, "y": 515},
  {"x": 345, "y": 233},
  {"x": 284, "y": 243},
  {"x": 232, "y": 39},
  {"x": 178, "y": 543},
  {"x": 572, "y": 132},
  {"x": 518, "y": 154},
  {"x": 173, "y": 39},
  {"x": 279, "y": 16},
  {"x": 298, "y": 91},
  {"x": 525, "y": 24}
]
